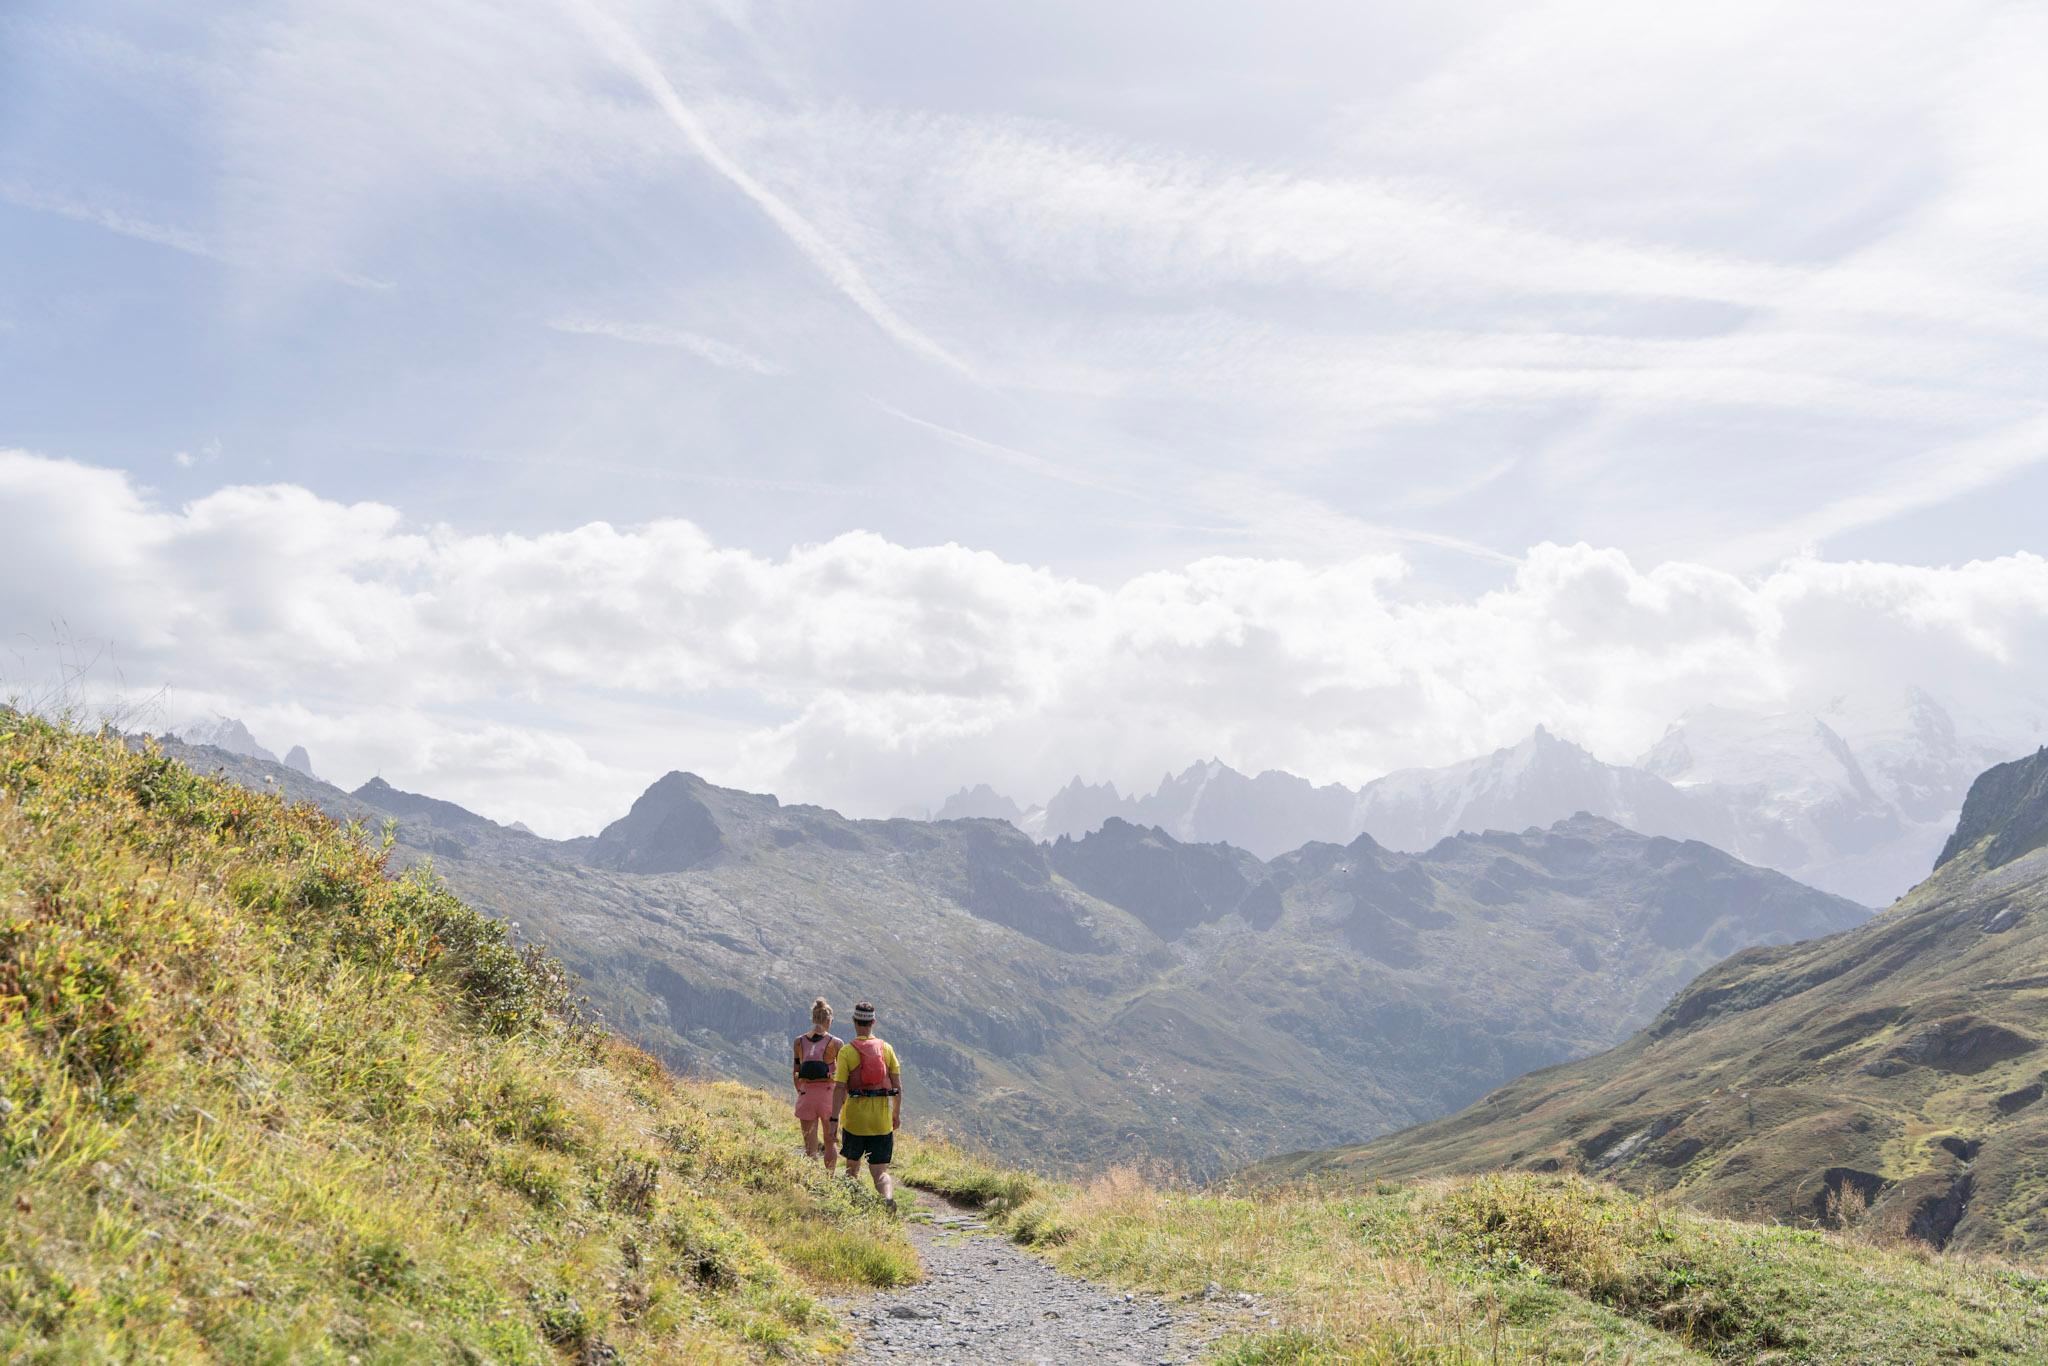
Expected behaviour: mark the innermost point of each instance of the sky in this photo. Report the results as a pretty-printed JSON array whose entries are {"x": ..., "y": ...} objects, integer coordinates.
[{"x": 522, "y": 399}]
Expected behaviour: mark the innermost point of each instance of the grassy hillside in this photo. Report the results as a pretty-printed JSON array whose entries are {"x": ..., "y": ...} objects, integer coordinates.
[
  {"x": 1512, "y": 1268},
  {"x": 1889, "y": 1078},
  {"x": 260, "y": 1103}
]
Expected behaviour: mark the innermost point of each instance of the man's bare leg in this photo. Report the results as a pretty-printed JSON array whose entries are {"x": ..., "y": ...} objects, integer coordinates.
[
  {"x": 831, "y": 1153},
  {"x": 885, "y": 1184}
]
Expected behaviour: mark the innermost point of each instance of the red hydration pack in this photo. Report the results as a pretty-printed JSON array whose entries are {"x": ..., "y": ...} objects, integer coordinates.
[
  {"x": 814, "y": 1057},
  {"x": 871, "y": 1076}
]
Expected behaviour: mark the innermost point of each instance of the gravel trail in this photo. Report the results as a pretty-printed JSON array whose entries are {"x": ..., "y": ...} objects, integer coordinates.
[{"x": 986, "y": 1300}]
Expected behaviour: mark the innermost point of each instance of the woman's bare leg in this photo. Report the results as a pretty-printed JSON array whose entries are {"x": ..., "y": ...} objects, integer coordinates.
[{"x": 810, "y": 1136}]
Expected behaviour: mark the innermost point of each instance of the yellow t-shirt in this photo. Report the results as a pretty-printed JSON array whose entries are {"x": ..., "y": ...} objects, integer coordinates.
[{"x": 865, "y": 1116}]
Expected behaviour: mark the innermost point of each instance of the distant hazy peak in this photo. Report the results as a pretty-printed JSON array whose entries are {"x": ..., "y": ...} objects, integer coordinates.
[
  {"x": 1855, "y": 796},
  {"x": 979, "y": 802},
  {"x": 1719, "y": 744},
  {"x": 224, "y": 732},
  {"x": 1363, "y": 843},
  {"x": 1201, "y": 771},
  {"x": 297, "y": 758}
]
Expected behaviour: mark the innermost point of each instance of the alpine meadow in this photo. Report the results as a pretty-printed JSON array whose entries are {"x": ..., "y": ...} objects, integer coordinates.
[{"x": 956, "y": 685}]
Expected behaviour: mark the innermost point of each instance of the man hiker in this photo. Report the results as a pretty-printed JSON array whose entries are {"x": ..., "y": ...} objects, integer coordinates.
[
  {"x": 810, "y": 1071},
  {"x": 868, "y": 1099}
]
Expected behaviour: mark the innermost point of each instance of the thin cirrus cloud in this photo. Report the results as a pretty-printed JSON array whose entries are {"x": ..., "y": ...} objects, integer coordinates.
[
  {"x": 619, "y": 40},
  {"x": 123, "y": 223},
  {"x": 708, "y": 349},
  {"x": 877, "y": 675}
]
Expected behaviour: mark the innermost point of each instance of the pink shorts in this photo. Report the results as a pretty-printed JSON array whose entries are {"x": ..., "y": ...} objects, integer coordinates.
[{"x": 814, "y": 1102}]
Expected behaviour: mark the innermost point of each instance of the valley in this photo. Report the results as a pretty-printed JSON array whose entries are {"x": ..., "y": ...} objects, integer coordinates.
[{"x": 1122, "y": 997}]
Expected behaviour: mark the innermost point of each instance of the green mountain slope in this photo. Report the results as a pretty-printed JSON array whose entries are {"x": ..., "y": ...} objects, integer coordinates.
[
  {"x": 1891, "y": 1077},
  {"x": 1124, "y": 996},
  {"x": 260, "y": 1103}
]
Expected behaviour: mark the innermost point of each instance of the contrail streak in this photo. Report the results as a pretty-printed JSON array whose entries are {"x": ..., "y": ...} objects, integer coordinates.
[{"x": 631, "y": 54}]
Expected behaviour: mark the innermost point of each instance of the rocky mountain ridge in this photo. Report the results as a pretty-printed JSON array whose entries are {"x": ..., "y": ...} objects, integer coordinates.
[
  {"x": 1855, "y": 797},
  {"x": 1087, "y": 999}
]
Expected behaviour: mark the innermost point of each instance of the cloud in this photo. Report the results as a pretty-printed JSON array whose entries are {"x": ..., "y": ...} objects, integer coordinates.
[
  {"x": 548, "y": 676},
  {"x": 209, "y": 451},
  {"x": 620, "y": 42},
  {"x": 704, "y": 348},
  {"x": 113, "y": 220},
  {"x": 1657, "y": 284},
  {"x": 126, "y": 224},
  {"x": 1024, "y": 460},
  {"x": 1940, "y": 476}
]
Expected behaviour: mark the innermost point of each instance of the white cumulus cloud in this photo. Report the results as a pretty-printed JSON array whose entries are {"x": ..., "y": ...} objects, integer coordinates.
[{"x": 547, "y": 677}]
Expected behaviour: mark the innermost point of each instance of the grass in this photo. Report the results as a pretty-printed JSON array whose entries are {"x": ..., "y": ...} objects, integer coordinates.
[
  {"x": 1508, "y": 1268},
  {"x": 260, "y": 1101}
]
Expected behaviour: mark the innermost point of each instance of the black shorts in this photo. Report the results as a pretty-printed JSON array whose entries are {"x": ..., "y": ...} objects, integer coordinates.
[{"x": 877, "y": 1148}]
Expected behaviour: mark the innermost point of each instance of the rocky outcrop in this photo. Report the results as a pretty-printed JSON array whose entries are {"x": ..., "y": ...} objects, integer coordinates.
[
  {"x": 668, "y": 830},
  {"x": 2009, "y": 805},
  {"x": 694, "y": 1004},
  {"x": 1009, "y": 882},
  {"x": 1170, "y": 886},
  {"x": 1934, "y": 1217},
  {"x": 1963, "y": 1044}
]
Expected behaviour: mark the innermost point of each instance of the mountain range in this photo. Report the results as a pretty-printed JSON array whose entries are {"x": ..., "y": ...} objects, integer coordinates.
[
  {"x": 1855, "y": 798},
  {"x": 1123, "y": 995},
  {"x": 1891, "y": 1076},
  {"x": 228, "y": 733}
]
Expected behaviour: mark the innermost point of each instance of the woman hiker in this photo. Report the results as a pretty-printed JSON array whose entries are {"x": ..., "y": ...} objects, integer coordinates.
[
  {"x": 868, "y": 1097},
  {"x": 810, "y": 1071}
]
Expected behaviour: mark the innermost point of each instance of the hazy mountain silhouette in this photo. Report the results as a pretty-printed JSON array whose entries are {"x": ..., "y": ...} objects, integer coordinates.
[
  {"x": 224, "y": 732},
  {"x": 1855, "y": 798}
]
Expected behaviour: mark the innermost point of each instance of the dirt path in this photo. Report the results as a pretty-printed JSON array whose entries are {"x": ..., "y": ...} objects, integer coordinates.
[{"x": 986, "y": 1300}]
